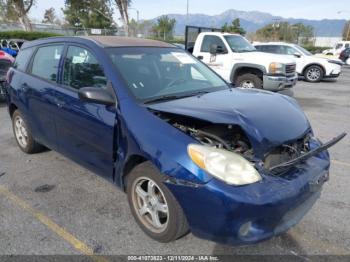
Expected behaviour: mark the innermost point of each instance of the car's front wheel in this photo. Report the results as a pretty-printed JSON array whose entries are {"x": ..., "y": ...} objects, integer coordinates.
[
  {"x": 153, "y": 206},
  {"x": 313, "y": 74},
  {"x": 23, "y": 136}
]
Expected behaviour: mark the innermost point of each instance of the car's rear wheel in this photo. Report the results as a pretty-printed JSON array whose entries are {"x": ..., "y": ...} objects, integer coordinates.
[
  {"x": 313, "y": 74},
  {"x": 153, "y": 206},
  {"x": 249, "y": 81},
  {"x": 2, "y": 92},
  {"x": 23, "y": 136}
]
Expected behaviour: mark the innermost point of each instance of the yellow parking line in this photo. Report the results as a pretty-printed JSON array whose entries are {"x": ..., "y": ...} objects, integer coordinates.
[
  {"x": 64, "y": 234},
  {"x": 337, "y": 162}
]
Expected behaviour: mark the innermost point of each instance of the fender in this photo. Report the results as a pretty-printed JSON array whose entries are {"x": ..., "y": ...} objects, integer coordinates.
[
  {"x": 238, "y": 66},
  {"x": 311, "y": 64}
]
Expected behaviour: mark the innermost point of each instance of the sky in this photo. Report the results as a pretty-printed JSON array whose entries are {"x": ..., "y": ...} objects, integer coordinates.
[{"x": 316, "y": 9}]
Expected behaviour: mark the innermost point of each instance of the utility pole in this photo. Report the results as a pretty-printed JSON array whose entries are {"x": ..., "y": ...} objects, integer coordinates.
[
  {"x": 137, "y": 13},
  {"x": 276, "y": 24},
  {"x": 187, "y": 11}
]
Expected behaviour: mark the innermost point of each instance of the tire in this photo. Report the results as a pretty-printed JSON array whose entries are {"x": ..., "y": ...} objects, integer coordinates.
[
  {"x": 249, "y": 81},
  {"x": 153, "y": 194},
  {"x": 20, "y": 129},
  {"x": 2, "y": 93},
  {"x": 313, "y": 74}
]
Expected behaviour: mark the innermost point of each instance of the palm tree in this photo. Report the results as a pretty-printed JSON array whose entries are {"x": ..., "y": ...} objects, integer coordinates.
[{"x": 123, "y": 10}]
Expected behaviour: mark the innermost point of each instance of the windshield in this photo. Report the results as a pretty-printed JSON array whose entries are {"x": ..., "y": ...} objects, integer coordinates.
[
  {"x": 152, "y": 73},
  {"x": 239, "y": 44},
  {"x": 303, "y": 50}
]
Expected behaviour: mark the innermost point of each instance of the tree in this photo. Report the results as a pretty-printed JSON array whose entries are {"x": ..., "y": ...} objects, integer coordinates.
[
  {"x": 235, "y": 27},
  {"x": 17, "y": 10},
  {"x": 283, "y": 31},
  {"x": 2, "y": 10},
  {"x": 88, "y": 13},
  {"x": 50, "y": 17},
  {"x": 302, "y": 33},
  {"x": 124, "y": 15},
  {"x": 164, "y": 27},
  {"x": 346, "y": 31},
  {"x": 133, "y": 27},
  {"x": 145, "y": 28}
]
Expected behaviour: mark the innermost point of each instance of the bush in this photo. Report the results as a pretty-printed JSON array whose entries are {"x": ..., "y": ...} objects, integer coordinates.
[
  {"x": 171, "y": 41},
  {"x": 315, "y": 49},
  {"x": 25, "y": 35}
]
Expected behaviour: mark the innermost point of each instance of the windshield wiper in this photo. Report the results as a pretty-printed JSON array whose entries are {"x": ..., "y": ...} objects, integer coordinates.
[
  {"x": 174, "y": 97},
  {"x": 163, "y": 99}
]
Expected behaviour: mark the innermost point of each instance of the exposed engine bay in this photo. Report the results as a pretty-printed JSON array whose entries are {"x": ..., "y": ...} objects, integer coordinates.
[
  {"x": 229, "y": 137},
  {"x": 234, "y": 139}
]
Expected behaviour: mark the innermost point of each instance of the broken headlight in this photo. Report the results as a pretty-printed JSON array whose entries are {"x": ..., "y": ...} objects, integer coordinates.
[{"x": 224, "y": 165}]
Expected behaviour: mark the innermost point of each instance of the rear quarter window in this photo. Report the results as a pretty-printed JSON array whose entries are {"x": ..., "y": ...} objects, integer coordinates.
[{"x": 23, "y": 58}]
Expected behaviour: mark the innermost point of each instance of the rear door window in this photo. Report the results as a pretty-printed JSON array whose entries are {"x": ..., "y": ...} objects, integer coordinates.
[
  {"x": 81, "y": 69},
  {"x": 46, "y": 61}
]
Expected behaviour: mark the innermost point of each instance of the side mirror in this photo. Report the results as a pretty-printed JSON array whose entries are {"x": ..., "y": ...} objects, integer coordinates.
[
  {"x": 296, "y": 54},
  {"x": 96, "y": 95},
  {"x": 216, "y": 49}
]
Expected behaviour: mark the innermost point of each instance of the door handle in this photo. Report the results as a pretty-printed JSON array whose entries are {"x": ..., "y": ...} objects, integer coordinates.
[
  {"x": 24, "y": 87},
  {"x": 200, "y": 57},
  {"x": 59, "y": 102}
]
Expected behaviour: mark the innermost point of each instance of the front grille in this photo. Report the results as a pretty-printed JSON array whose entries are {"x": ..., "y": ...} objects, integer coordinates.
[{"x": 290, "y": 69}]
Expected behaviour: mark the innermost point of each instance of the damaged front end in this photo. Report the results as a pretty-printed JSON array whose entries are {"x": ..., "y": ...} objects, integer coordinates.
[
  {"x": 266, "y": 165},
  {"x": 277, "y": 161}
]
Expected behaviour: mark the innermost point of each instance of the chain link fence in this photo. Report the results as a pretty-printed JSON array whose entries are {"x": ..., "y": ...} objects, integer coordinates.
[{"x": 62, "y": 30}]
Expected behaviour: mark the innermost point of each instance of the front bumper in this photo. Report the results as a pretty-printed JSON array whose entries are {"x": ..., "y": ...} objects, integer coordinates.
[
  {"x": 277, "y": 83},
  {"x": 333, "y": 71},
  {"x": 252, "y": 213}
]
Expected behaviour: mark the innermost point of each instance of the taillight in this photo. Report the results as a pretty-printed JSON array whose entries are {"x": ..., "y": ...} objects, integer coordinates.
[{"x": 2, "y": 52}]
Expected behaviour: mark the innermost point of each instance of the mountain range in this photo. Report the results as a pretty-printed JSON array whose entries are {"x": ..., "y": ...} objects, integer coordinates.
[{"x": 254, "y": 20}]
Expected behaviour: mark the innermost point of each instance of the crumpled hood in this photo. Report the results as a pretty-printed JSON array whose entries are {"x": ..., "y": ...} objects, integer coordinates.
[{"x": 268, "y": 119}]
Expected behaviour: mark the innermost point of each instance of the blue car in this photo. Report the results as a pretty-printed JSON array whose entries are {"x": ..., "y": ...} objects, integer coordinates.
[{"x": 232, "y": 165}]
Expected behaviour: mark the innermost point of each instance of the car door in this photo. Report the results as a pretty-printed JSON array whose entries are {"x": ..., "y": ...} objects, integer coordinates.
[
  {"x": 85, "y": 130},
  {"x": 37, "y": 87},
  {"x": 297, "y": 56},
  {"x": 218, "y": 62}
]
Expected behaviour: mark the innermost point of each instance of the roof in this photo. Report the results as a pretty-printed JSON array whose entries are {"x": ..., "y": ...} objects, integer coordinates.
[
  {"x": 118, "y": 41},
  {"x": 104, "y": 41},
  {"x": 218, "y": 33}
]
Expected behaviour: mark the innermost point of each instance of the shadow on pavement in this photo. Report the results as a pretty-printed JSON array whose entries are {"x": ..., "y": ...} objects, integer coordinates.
[{"x": 284, "y": 244}]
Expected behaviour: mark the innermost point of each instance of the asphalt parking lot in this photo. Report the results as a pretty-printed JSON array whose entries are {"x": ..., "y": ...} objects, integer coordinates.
[{"x": 50, "y": 205}]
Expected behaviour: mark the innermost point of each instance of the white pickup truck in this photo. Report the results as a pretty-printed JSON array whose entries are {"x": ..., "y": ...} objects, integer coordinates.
[{"x": 238, "y": 62}]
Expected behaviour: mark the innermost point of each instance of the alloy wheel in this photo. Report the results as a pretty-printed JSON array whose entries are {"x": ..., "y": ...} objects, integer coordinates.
[
  {"x": 313, "y": 74},
  {"x": 150, "y": 204},
  {"x": 21, "y": 132}
]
